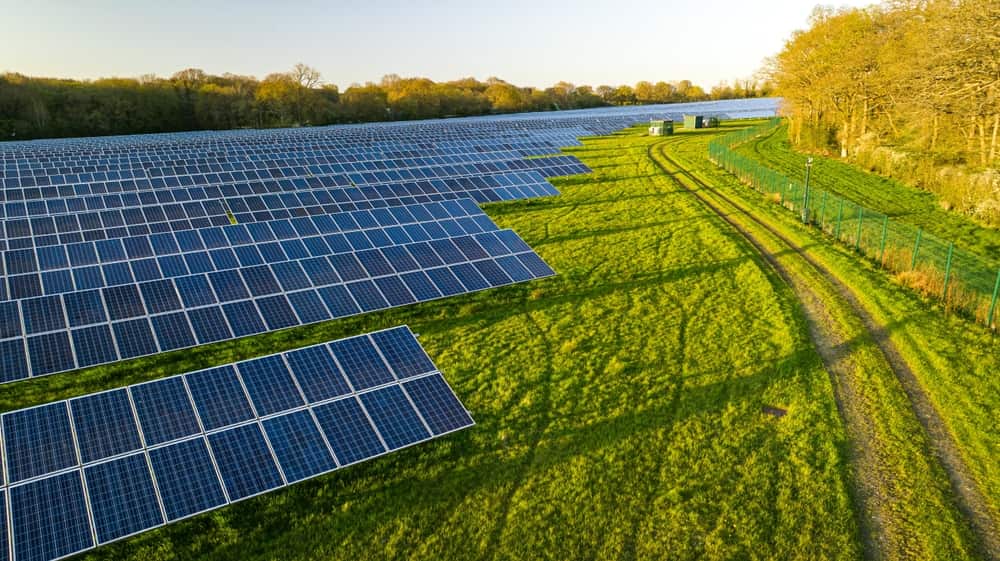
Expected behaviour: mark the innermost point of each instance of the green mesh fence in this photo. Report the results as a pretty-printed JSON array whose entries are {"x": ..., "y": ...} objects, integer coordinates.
[{"x": 928, "y": 264}]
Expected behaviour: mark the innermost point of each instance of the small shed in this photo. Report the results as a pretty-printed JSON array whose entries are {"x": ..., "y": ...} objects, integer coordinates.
[
  {"x": 712, "y": 122},
  {"x": 661, "y": 128},
  {"x": 694, "y": 121}
]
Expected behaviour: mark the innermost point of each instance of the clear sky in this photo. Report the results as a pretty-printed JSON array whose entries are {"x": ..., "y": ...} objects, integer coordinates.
[{"x": 526, "y": 42}]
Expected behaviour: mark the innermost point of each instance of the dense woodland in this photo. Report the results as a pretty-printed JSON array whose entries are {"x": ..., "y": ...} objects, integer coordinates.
[
  {"x": 193, "y": 100},
  {"x": 909, "y": 88}
]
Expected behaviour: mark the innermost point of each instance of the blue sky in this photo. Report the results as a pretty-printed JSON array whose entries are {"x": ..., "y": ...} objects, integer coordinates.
[{"x": 532, "y": 43}]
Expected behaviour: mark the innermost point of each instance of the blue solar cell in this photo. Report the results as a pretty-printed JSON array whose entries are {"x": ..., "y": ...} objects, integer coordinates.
[
  {"x": 209, "y": 325},
  {"x": 403, "y": 353},
  {"x": 160, "y": 296},
  {"x": 49, "y": 518},
  {"x": 123, "y": 302},
  {"x": 447, "y": 251},
  {"x": 339, "y": 301},
  {"x": 244, "y": 318},
  {"x": 299, "y": 445},
  {"x": 52, "y": 257},
  {"x": 437, "y": 404},
  {"x": 122, "y": 497},
  {"x": 13, "y": 361},
  {"x": 195, "y": 291},
  {"x": 308, "y": 306},
  {"x": 397, "y": 421},
  {"x": 43, "y": 314},
  {"x": 320, "y": 272},
  {"x": 395, "y": 291},
  {"x": 10, "y": 320},
  {"x": 446, "y": 281},
  {"x": 245, "y": 461},
  {"x": 21, "y": 261},
  {"x": 105, "y": 425},
  {"x": 317, "y": 373},
  {"x": 348, "y": 267},
  {"x": 469, "y": 277},
  {"x": 110, "y": 250},
  {"x": 94, "y": 345},
  {"x": 173, "y": 331},
  {"x": 37, "y": 441},
  {"x": 374, "y": 263},
  {"x": 348, "y": 430},
  {"x": 260, "y": 280},
  {"x": 219, "y": 397},
  {"x": 492, "y": 273},
  {"x": 425, "y": 255},
  {"x": 248, "y": 256},
  {"x": 512, "y": 241},
  {"x": 186, "y": 478},
  {"x": 81, "y": 254},
  {"x": 199, "y": 262},
  {"x": 270, "y": 385},
  {"x": 420, "y": 286},
  {"x": 514, "y": 268},
  {"x": 25, "y": 286},
  {"x": 535, "y": 264},
  {"x": 228, "y": 286},
  {"x": 361, "y": 362},
  {"x": 400, "y": 259},
  {"x": 50, "y": 353},
  {"x": 492, "y": 244},
  {"x": 277, "y": 312},
  {"x": 116, "y": 274},
  {"x": 57, "y": 282},
  {"x": 290, "y": 276},
  {"x": 164, "y": 410},
  {"x": 134, "y": 338},
  {"x": 367, "y": 295}
]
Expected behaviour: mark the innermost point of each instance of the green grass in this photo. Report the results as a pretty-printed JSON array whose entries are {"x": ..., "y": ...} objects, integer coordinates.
[
  {"x": 618, "y": 406},
  {"x": 954, "y": 360},
  {"x": 900, "y": 202}
]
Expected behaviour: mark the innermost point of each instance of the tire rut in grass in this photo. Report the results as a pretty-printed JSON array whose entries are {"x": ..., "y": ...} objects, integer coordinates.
[{"x": 968, "y": 498}]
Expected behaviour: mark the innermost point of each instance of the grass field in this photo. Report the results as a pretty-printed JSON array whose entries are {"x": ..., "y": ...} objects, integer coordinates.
[
  {"x": 619, "y": 405},
  {"x": 901, "y": 202}
]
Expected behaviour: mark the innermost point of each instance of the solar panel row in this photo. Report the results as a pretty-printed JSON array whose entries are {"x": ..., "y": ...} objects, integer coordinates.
[
  {"x": 94, "y": 469},
  {"x": 307, "y": 160},
  {"x": 219, "y": 205},
  {"x": 129, "y": 194},
  {"x": 57, "y": 333},
  {"x": 110, "y": 262}
]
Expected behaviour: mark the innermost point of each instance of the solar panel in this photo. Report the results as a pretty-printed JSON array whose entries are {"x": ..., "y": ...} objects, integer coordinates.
[{"x": 101, "y": 467}]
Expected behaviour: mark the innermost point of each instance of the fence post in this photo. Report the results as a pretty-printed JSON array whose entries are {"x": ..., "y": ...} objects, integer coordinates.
[
  {"x": 885, "y": 233},
  {"x": 947, "y": 272},
  {"x": 861, "y": 223},
  {"x": 840, "y": 218},
  {"x": 916, "y": 248},
  {"x": 993, "y": 304},
  {"x": 822, "y": 212}
]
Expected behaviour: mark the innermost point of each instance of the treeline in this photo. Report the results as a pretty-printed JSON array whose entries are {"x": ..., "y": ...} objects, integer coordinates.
[
  {"x": 910, "y": 88},
  {"x": 193, "y": 100}
]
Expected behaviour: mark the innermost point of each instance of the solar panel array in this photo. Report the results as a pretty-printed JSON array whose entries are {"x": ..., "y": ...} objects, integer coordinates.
[
  {"x": 117, "y": 299},
  {"x": 119, "y": 247},
  {"x": 94, "y": 469}
]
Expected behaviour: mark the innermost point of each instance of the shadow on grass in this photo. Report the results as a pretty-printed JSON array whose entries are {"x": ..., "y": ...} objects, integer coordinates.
[{"x": 479, "y": 466}]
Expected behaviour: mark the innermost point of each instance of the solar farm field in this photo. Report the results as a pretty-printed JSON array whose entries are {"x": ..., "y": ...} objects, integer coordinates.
[{"x": 595, "y": 364}]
